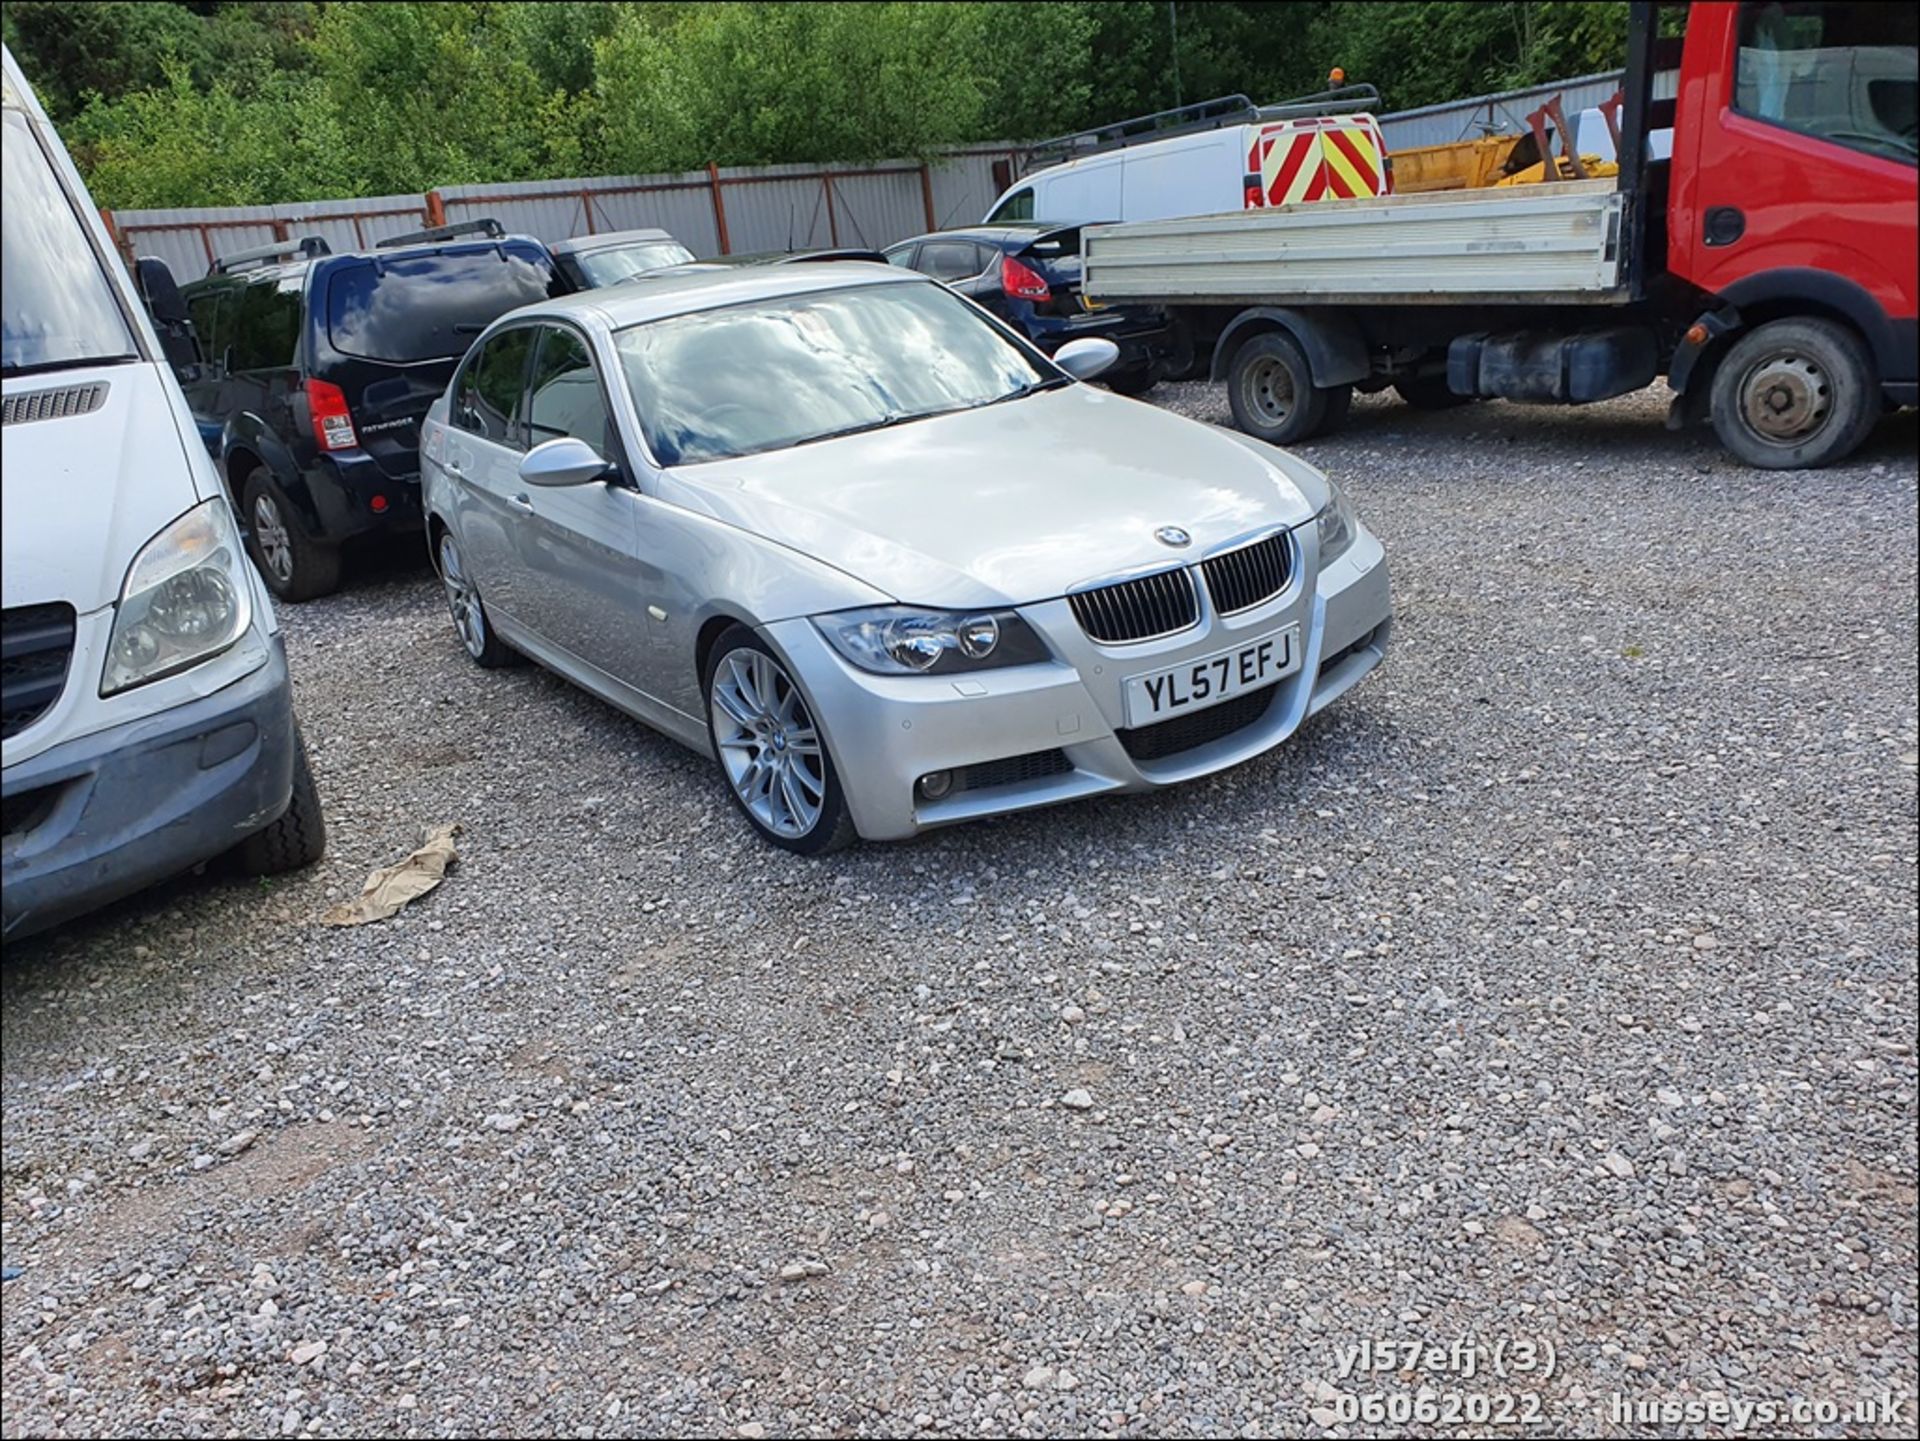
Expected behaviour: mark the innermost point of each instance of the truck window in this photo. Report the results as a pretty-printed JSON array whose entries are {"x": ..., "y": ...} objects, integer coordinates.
[
  {"x": 58, "y": 308},
  {"x": 1017, "y": 206},
  {"x": 1845, "y": 73}
]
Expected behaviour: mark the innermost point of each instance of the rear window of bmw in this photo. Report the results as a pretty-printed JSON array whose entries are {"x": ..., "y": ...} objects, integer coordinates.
[{"x": 408, "y": 308}]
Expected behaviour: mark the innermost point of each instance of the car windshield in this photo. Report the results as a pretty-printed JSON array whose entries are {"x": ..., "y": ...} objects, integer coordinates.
[
  {"x": 58, "y": 308},
  {"x": 800, "y": 368},
  {"x": 610, "y": 267}
]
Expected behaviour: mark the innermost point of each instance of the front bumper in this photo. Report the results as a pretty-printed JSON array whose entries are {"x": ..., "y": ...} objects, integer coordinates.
[
  {"x": 1054, "y": 726},
  {"x": 107, "y": 814}
]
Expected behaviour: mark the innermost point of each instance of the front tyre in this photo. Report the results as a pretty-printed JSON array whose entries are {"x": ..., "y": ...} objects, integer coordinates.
[
  {"x": 298, "y": 838},
  {"x": 1795, "y": 395},
  {"x": 772, "y": 754}
]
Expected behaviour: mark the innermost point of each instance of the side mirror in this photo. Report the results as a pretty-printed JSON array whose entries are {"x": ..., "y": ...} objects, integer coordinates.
[
  {"x": 1085, "y": 358},
  {"x": 159, "y": 291},
  {"x": 566, "y": 461}
]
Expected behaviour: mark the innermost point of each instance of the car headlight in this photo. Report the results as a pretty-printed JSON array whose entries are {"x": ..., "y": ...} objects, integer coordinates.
[
  {"x": 900, "y": 640},
  {"x": 186, "y": 598},
  {"x": 1337, "y": 524}
]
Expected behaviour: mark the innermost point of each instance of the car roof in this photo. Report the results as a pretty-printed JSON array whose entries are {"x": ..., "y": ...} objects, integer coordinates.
[
  {"x": 608, "y": 239},
  {"x": 680, "y": 290}
]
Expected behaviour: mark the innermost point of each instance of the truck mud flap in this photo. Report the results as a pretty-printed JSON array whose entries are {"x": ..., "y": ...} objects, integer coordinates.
[{"x": 1551, "y": 369}]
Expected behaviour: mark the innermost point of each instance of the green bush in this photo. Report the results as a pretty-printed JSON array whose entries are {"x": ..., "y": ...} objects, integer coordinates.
[{"x": 230, "y": 103}]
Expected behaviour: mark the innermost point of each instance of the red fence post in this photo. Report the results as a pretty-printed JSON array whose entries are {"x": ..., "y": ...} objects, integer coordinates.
[
  {"x": 121, "y": 243},
  {"x": 926, "y": 195},
  {"x": 436, "y": 210},
  {"x": 719, "y": 208}
]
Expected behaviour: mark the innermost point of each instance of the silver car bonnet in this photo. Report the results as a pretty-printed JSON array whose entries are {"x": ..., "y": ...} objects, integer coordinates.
[{"x": 1009, "y": 503}]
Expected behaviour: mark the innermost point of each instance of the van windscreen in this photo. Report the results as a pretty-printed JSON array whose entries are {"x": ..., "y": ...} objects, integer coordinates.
[
  {"x": 429, "y": 307},
  {"x": 59, "y": 310}
]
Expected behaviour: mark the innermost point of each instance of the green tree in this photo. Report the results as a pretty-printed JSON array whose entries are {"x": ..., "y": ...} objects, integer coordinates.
[
  {"x": 678, "y": 86},
  {"x": 216, "y": 102}
]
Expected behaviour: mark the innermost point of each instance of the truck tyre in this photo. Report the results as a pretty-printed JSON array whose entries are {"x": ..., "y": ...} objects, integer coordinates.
[
  {"x": 1270, "y": 387},
  {"x": 1795, "y": 394},
  {"x": 298, "y": 838},
  {"x": 1429, "y": 392},
  {"x": 293, "y": 566}
]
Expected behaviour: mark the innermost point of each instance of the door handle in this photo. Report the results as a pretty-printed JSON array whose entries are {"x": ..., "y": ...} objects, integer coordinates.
[
  {"x": 452, "y": 468},
  {"x": 521, "y": 503}
]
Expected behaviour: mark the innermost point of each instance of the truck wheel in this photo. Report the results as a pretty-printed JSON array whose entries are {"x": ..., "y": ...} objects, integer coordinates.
[
  {"x": 293, "y": 566},
  {"x": 1270, "y": 387},
  {"x": 1429, "y": 392},
  {"x": 298, "y": 838},
  {"x": 1795, "y": 395}
]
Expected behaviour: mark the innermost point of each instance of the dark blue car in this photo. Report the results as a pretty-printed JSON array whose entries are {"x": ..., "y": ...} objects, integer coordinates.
[{"x": 1028, "y": 274}]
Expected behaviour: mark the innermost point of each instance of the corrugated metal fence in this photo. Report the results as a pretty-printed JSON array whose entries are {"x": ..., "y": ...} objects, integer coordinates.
[
  {"x": 717, "y": 211},
  {"x": 1506, "y": 112},
  {"x": 738, "y": 209}
]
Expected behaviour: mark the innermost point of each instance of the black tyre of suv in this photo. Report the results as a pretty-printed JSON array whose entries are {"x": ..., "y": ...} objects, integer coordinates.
[{"x": 294, "y": 566}]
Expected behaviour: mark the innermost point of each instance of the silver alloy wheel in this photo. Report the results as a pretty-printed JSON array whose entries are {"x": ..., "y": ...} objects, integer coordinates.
[
  {"x": 1785, "y": 398},
  {"x": 768, "y": 743},
  {"x": 1267, "y": 389},
  {"x": 270, "y": 534},
  {"x": 462, "y": 601}
]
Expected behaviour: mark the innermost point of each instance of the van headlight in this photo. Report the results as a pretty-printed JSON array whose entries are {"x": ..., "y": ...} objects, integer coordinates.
[
  {"x": 903, "y": 640},
  {"x": 1337, "y": 524},
  {"x": 186, "y": 598}
]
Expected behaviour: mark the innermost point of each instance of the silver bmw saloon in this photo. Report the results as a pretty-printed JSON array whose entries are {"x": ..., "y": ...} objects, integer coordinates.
[{"x": 883, "y": 561}]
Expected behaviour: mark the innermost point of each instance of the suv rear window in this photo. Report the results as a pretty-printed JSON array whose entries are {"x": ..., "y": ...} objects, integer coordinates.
[{"x": 429, "y": 307}]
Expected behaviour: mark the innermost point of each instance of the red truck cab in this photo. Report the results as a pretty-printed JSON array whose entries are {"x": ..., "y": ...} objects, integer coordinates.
[{"x": 1793, "y": 207}]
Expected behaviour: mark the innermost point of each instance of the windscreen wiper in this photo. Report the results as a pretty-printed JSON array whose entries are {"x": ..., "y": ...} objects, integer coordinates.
[{"x": 1033, "y": 387}]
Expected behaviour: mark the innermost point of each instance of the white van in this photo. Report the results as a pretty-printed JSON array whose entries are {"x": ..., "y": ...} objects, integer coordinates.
[
  {"x": 148, "y": 719},
  {"x": 1269, "y": 161}
]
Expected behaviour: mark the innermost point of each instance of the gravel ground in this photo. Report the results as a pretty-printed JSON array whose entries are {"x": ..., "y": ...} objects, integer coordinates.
[{"x": 1558, "y": 986}]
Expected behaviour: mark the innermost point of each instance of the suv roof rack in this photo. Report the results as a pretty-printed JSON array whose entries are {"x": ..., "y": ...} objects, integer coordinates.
[
  {"x": 488, "y": 227},
  {"x": 1212, "y": 114},
  {"x": 307, "y": 247}
]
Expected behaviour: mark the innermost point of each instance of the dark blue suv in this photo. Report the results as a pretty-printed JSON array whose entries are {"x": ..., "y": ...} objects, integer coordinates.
[
  {"x": 1028, "y": 274},
  {"x": 312, "y": 372}
]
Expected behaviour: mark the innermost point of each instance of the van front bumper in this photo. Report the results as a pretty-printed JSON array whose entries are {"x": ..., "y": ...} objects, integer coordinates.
[{"x": 106, "y": 814}]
